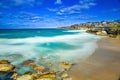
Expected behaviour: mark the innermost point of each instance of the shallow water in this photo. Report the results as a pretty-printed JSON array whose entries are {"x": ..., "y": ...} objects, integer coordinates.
[{"x": 46, "y": 45}]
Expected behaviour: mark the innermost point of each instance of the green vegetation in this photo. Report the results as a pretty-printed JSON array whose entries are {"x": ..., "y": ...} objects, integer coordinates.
[
  {"x": 115, "y": 31},
  {"x": 115, "y": 28}
]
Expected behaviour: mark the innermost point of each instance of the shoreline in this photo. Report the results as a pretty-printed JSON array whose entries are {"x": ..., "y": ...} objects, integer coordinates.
[{"x": 103, "y": 64}]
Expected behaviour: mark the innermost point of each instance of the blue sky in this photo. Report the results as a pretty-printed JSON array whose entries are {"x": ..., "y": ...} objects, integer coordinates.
[{"x": 55, "y": 13}]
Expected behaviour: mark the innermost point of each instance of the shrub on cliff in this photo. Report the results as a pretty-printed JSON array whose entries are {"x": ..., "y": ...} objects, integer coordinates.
[{"x": 115, "y": 28}]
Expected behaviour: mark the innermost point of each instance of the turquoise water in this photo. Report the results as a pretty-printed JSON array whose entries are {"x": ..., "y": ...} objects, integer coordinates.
[{"x": 46, "y": 45}]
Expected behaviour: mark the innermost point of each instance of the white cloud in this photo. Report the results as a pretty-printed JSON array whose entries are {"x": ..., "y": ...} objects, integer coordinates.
[
  {"x": 77, "y": 8},
  {"x": 83, "y": 17},
  {"x": 53, "y": 10},
  {"x": 58, "y": 2},
  {"x": 23, "y": 3},
  {"x": 59, "y": 13},
  {"x": 85, "y": 1}
]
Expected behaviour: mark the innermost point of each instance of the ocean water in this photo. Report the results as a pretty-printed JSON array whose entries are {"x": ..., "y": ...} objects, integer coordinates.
[{"x": 46, "y": 45}]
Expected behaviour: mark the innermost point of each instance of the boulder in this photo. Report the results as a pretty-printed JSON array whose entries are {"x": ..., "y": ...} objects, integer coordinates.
[
  {"x": 112, "y": 36},
  {"x": 4, "y": 62},
  {"x": 118, "y": 36},
  {"x": 25, "y": 77},
  {"x": 65, "y": 65},
  {"x": 27, "y": 62},
  {"x": 64, "y": 75},
  {"x": 38, "y": 68},
  {"x": 14, "y": 76},
  {"x": 6, "y": 67},
  {"x": 49, "y": 76},
  {"x": 98, "y": 33},
  {"x": 6, "y": 75},
  {"x": 36, "y": 76},
  {"x": 102, "y": 33}
]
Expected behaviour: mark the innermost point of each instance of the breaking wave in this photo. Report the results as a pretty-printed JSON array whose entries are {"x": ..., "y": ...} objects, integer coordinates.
[{"x": 68, "y": 47}]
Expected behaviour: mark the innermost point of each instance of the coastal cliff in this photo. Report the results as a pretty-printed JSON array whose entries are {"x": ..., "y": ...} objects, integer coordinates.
[{"x": 103, "y": 28}]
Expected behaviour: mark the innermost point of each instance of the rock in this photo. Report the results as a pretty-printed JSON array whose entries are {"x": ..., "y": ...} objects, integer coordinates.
[
  {"x": 58, "y": 75},
  {"x": 25, "y": 77},
  {"x": 38, "y": 68},
  {"x": 64, "y": 75},
  {"x": 50, "y": 64},
  {"x": 65, "y": 65},
  {"x": 112, "y": 36},
  {"x": 4, "y": 62},
  {"x": 6, "y": 76},
  {"x": 118, "y": 36},
  {"x": 59, "y": 72},
  {"x": 98, "y": 33},
  {"x": 67, "y": 78},
  {"x": 91, "y": 31},
  {"x": 102, "y": 33},
  {"x": 27, "y": 62},
  {"x": 36, "y": 75},
  {"x": 49, "y": 76},
  {"x": 14, "y": 76},
  {"x": 6, "y": 67},
  {"x": 119, "y": 78}
]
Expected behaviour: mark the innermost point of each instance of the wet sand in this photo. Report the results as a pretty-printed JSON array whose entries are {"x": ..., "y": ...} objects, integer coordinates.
[{"x": 103, "y": 64}]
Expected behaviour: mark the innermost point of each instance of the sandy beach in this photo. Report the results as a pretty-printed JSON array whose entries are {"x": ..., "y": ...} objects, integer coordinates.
[{"x": 103, "y": 64}]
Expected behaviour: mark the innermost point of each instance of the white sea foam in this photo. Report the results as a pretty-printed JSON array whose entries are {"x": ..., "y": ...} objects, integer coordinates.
[
  {"x": 28, "y": 49},
  {"x": 75, "y": 31},
  {"x": 81, "y": 53},
  {"x": 65, "y": 38}
]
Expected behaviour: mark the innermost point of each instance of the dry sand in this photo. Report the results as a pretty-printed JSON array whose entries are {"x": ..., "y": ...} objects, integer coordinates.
[{"x": 104, "y": 64}]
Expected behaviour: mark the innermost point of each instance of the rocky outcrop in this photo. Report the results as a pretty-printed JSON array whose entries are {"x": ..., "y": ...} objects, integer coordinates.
[
  {"x": 4, "y": 62},
  {"x": 49, "y": 76},
  {"x": 64, "y": 75},
  {"x": 5, "y": 66},
  {"x": 6, "y": 75},
  {"x": 8, "y": 72},
  {"x": 38, "y": 68},
  {"x": 102, "y": 33},
  {"x": 27, "y": 62},
  {"x": 118, "y": 36},
  {"x": 25, "y": 77},
  {"x": 65, "y": 65},
  {"x": 14, "y": 76}
]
